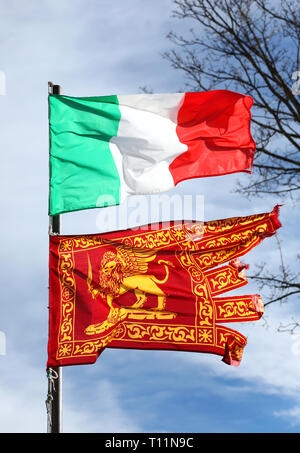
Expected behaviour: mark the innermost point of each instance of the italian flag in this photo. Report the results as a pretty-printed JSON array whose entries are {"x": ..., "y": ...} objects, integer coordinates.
[{"x": 104, "y": 148}]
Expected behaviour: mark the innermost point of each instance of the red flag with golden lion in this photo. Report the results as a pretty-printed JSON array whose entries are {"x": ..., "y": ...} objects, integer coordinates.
[{"x": 154, "y": 287}]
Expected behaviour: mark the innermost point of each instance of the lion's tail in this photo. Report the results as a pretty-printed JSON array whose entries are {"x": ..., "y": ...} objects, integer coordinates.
[{"x": 166, "y": 265}]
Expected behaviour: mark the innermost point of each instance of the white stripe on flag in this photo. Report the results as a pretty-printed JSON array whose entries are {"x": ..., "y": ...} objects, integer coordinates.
[{"x": 147, "y": 142}]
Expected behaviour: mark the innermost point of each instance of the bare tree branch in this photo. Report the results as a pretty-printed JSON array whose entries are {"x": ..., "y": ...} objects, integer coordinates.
[{"x": 252, "y": 46}]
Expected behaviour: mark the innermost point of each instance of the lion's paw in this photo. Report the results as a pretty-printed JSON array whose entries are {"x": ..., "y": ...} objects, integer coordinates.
[{"x": 115, "y": 315}]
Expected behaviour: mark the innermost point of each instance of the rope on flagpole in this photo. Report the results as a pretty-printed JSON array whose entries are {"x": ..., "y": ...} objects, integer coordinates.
[{"x": 51, "y": 375}]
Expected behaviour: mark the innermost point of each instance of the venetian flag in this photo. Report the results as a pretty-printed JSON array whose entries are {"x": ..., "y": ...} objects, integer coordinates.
[
  {"x": 153, "y": 288},
  {"x": 104, "y": 148}
]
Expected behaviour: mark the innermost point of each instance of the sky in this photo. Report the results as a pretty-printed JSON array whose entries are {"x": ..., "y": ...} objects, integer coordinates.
[{"x": 94, "y": 48}]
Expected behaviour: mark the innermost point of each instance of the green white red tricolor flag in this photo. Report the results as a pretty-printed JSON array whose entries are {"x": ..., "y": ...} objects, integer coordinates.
[{"x": 104, "y": 148}]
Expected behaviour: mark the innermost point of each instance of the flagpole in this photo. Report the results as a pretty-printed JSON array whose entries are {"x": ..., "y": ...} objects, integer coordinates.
[{"x": 54, "y": 374}]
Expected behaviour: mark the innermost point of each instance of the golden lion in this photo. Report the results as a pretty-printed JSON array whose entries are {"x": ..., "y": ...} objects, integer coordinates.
[{"x": 125, "y": 271}]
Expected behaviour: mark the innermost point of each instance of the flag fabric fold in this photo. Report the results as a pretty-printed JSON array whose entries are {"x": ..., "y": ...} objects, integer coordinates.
[
  {"x": 153, "y": 288},
  {"x": 105, "y": 148}
]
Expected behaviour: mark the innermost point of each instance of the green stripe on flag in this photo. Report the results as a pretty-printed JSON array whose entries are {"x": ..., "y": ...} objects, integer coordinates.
[{"x": 83, "y": 173}]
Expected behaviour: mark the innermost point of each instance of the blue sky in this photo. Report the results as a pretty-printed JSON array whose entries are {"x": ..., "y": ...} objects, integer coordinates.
[{"x": 98, "y": 48}]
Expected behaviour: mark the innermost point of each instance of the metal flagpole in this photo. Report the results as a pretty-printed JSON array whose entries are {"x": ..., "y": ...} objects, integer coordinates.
[{"x": 54, "y": 374}]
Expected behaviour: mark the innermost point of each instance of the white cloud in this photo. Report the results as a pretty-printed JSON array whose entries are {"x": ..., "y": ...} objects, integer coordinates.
[
  {"x": 23, "y": 391},
  {"x": 94, "y": 48},
  {"x": 108, "y": 416},
  {"x": 270, "y": 363},
  {"x": 292, "y": 415}
]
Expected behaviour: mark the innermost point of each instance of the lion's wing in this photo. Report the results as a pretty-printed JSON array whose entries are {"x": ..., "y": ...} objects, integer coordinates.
[{"x": 135, "y": 261}]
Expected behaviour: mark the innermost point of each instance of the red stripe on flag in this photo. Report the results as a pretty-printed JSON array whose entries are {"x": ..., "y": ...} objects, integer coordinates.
[{"x": 215, "y": 126}]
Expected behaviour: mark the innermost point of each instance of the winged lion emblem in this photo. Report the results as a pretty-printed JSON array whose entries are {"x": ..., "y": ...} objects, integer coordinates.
[{"x": 124, "y": 270}]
